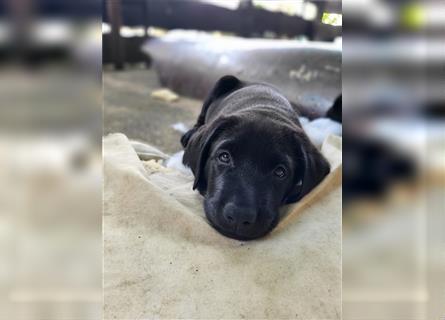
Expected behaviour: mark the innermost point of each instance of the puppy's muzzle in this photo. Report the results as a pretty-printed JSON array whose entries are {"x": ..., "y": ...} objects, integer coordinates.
[{"x": 240, "y": 219}]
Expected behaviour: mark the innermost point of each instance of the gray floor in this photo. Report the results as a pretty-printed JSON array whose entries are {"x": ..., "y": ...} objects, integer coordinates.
[{"x": 130, "y": 109}]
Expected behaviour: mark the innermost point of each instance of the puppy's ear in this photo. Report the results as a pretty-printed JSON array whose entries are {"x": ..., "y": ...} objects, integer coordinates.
[
  {"x": 197, "y": 149},
  {"x": 315, "y": 168},
  {"x": 196, "y": 139},
  {"x": 186, "y": 136},
  {"x": 223, "y": 86}
]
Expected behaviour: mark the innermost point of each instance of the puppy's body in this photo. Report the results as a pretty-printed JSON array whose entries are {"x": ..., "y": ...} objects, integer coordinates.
[
  {"x": 249, "y": 156},
  {"x": 255, "y": 99}
]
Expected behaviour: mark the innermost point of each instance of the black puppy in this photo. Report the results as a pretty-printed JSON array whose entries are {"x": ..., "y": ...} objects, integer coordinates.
[{"x": 249, "y": 155}]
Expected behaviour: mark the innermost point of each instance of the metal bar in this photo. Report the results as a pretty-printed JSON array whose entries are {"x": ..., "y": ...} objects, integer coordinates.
[{"x": 114, "y": 10}]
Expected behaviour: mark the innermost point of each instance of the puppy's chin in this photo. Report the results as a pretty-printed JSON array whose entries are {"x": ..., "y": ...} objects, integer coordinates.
[
  {"x": 244, "y": 237},
  {"x": 228, "y": 231}
]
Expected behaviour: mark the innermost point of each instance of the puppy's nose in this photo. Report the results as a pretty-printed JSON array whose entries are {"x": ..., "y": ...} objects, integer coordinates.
[{"x": 239, "y": 216}]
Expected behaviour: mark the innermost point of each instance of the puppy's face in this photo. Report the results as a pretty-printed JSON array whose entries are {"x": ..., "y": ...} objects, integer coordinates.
[
  {"x": 247, "y": 168},
  {"x": 250, "y": 172}
]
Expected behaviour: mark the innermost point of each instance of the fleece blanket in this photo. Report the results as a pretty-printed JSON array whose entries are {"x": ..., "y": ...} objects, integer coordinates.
[{"x": 162, "y": 260}]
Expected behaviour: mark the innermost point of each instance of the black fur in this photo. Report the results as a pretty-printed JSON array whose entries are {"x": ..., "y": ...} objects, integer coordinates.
[{"x": 335, "y": 112}]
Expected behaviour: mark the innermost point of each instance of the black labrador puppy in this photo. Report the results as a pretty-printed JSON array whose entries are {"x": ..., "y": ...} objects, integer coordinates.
[{"x": 249, "y": 155}]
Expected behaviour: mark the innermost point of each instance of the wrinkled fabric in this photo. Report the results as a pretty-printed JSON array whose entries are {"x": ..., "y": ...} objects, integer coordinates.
[{"x": 162, "y": 260}]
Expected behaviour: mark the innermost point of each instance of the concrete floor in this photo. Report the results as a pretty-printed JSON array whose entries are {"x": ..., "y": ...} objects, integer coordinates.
[{"x": 130, "y": 109}]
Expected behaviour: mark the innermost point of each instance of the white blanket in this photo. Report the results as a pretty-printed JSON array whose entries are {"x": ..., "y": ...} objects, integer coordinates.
[{"x": 162, "y": 260}]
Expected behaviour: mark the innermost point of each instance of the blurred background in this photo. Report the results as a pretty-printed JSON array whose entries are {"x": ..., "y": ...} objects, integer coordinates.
[
  {"x": 394, "y": 160},
  {"x": 50, "y": 159}
]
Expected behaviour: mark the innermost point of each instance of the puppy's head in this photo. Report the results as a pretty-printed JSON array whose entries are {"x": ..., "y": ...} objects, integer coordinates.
[{"x": 246, "y": 167}]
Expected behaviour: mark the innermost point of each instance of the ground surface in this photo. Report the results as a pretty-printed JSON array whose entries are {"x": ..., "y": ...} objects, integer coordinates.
[{"x": 130, "y": 109}]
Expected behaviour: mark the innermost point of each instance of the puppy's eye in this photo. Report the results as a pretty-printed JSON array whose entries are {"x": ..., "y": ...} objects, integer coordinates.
[
  {"x": 224, "y": 157},
  {"x": 280, "y": 172}
]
